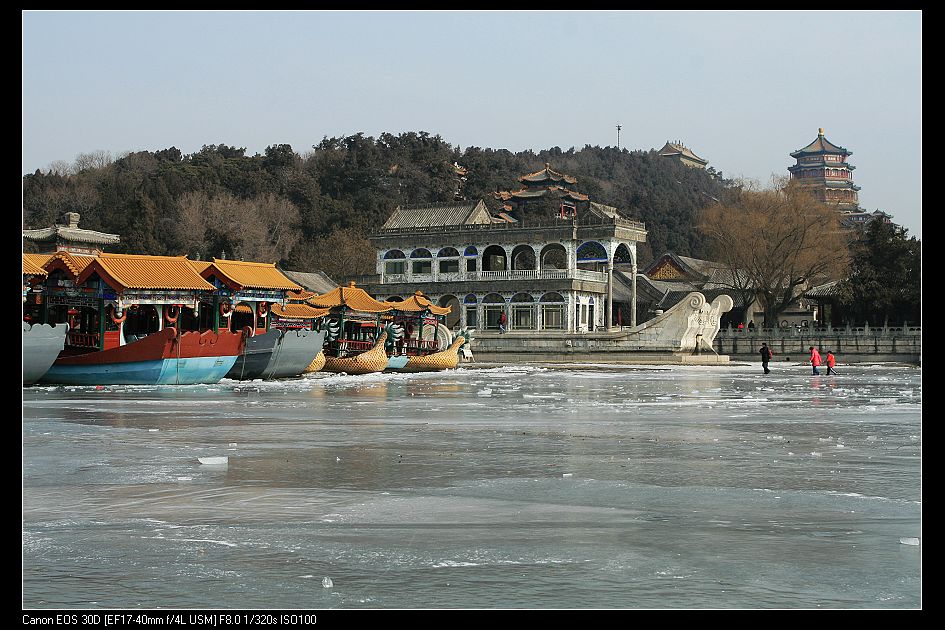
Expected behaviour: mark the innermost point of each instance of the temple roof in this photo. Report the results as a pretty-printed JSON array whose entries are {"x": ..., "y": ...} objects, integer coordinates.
[
  {"x": 70, "y": 232},
  {"x": 821, "y": 145},
  {"x": 73, "y": 264},
  {"x": 33, "y": 264},
  {"x": 531, "y": 193},
  {"x": 134, "y": 271},
  {"x": 676, "y": 148},
  {"x": 300, "y": 311},
  {"x": 546, "y": 175},
  {"x": 438, "y": 214},
  {"x": 352, "y": 297},
  {"x": 252, "y": 275},
  {"x": 417, "y": 303}
]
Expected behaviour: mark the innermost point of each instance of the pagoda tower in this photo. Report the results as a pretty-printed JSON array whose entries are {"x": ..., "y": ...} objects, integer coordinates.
[
  {"x": 823, "y": 169},
  {"x": 544, "y": 187}
]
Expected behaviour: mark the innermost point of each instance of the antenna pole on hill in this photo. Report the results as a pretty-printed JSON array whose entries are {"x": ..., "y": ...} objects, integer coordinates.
[{"x": 618, "y": 137}]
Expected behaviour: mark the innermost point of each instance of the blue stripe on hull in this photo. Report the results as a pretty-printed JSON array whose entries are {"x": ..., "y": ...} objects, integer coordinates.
[{"x": 190, "y": 371}]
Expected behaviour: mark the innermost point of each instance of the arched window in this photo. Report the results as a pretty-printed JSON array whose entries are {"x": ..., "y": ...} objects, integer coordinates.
[
  {"x": 493, "y": 259},
  {"x": 551, "y": 306},
  {"x": 622, "y": 254},
  {"x": 523, "y": 312},
  {"x": 472, "y": 311},
  {"x": 591, "y": 251},
  {"x": 554, "y": 256},
  {"x": 448, "y": 260},
  {"x": 471, "y": 251},
  {"x": 395, "y": 262},
  {"x": 493, "y": 305},
  {"x": 422, "y": 261},
  {"x": 523, "y": 257}
]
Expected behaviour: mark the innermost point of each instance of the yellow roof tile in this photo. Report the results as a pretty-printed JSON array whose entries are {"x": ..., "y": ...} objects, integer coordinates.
[
  {"x": 250, "y": 274},
  {"x": 418, "y": 302},
  {"x": 33, "y": 264},
  {"x": 298, "y": 310},
  {"x": 351, "y": 297},
  {"x": 135, "y": 271},
  {"x": 72, "y": 263}
]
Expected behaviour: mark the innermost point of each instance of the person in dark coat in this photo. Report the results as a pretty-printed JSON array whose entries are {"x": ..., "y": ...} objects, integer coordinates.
[{"x": 766, "y": 355}]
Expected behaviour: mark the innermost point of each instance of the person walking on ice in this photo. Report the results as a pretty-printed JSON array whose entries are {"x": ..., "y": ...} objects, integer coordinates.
[
  {"x": 831, "y": 361},
  {"x": 815, "y": 360},
  {"x": 766, "y": 355}
]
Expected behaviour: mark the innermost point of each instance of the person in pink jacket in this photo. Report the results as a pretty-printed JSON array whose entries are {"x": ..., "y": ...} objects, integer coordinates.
[{"x": 815, "y": 360}]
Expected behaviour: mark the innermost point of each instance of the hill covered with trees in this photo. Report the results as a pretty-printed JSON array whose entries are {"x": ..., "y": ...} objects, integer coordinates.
[{"x": 313, "y": 210}]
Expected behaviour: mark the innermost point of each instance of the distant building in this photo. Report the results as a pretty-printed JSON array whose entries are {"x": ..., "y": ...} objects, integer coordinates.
[
  {"x": 860, "y": 219},
  {"x": 823, "y": 169},
  {"x": 670, "y": 278},
  {"x": 550, "y": 271},
  {"x": 679, "y": 151},
  {"x": 69, "y": 237}
]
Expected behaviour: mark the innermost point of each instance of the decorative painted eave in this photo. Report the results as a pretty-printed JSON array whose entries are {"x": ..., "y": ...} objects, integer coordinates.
[
  {"x": 249, "y": 275},
  {"x": 72, "y": 264}
]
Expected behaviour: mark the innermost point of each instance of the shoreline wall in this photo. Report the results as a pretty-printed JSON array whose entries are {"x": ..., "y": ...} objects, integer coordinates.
[{"x": 849, "y": 344}]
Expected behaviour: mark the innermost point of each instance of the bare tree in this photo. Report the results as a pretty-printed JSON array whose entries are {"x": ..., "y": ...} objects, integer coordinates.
[{"x": 778, "y": 242}]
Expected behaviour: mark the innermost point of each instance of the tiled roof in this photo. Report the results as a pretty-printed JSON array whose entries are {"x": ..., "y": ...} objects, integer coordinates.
[
  {"x": 315, "y": 281},
  {"x": 33, "y": 266},
  {"x": 72, "y": 263},
  {"x": 545, "y": 175},
  {"x": 134, "y": 271},
  {"x": 673, "y": 148},
  {"x": 352, "y": 297},
  {"x": 200, "y": 265},
  {"x": 75, "y": 235},
  {"x": 527, "y": 193},
  {"x": 303, "y": 311},
  {"x": 464, "y": 213},
  {"x": 602, "y": 210},
  {"x": 419, "y": 302},
  {"x": 251, "y": 275},
  {"x": 821, "y": 145}
]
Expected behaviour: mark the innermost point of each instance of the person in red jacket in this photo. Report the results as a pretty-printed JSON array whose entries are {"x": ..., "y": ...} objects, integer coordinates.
[
  {"x": 830, "y": 361},
  {"x": 815, "y": 360}
]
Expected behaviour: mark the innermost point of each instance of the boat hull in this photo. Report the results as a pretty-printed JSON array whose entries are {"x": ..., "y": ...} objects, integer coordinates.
[
  {"x": 444, "y": 360},
  {"x": 42, "y": 344},
  {"x": 161, "y": 358},
  {"x": 256, "y": 355},
  {"x": 368, "y": 362},
  {"x": 294, "y": 353}
]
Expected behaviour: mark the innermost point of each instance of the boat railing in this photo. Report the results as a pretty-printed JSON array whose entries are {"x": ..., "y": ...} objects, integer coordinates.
[{"x": 82, "y": 340}]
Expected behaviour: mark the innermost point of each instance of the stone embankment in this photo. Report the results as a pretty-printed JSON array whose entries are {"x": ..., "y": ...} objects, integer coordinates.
[{"x": 866, "y": 344}]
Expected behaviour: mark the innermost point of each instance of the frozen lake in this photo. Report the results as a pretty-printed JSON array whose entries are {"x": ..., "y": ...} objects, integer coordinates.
[{"x": 525, "y": 487}]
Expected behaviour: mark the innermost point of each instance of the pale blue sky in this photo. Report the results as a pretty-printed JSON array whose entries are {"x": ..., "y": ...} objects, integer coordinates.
[{"x": 741, "y": 89}]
